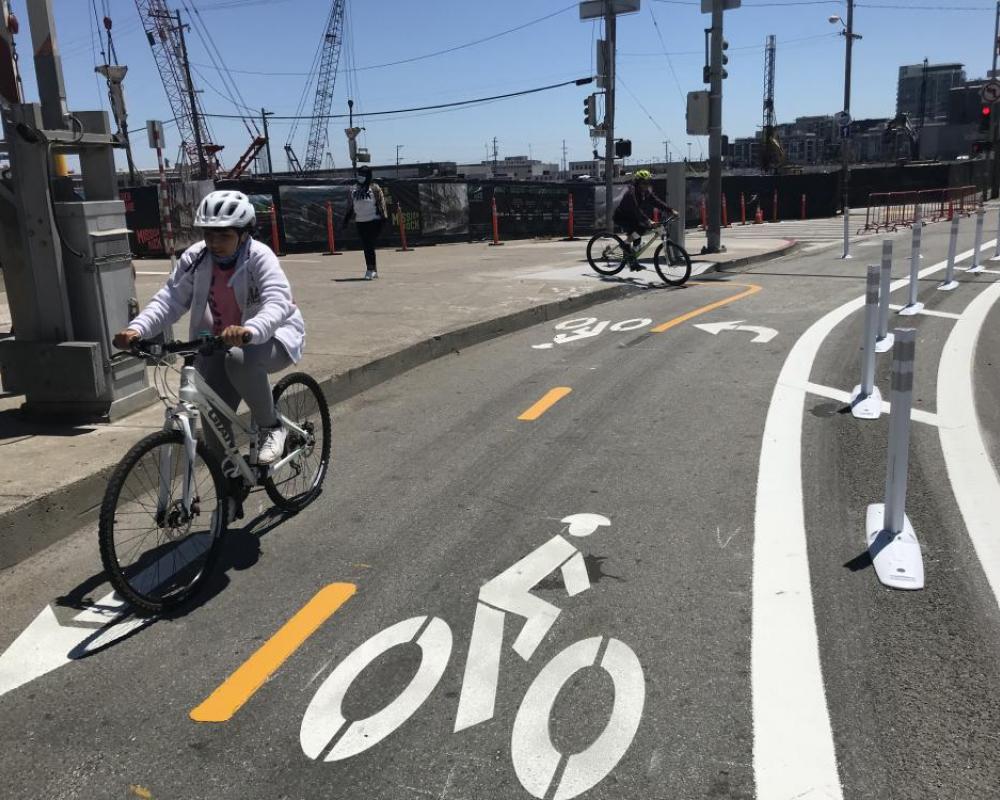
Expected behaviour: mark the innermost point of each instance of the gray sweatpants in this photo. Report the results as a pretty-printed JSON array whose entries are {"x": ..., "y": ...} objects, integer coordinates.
[{"x": 241, "y": 374}]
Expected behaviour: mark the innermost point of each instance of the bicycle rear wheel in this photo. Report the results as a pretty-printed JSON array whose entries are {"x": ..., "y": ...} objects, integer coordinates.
[
  {"x": 606, "y": 253},
  {"x": 156, "y": 552},
  {"x": 672, "y": 263},
  {"x": 299, "y": 399}
]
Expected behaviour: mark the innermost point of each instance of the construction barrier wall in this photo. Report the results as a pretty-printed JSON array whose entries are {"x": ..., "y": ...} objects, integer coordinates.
[{"x": 436, "y": 210}]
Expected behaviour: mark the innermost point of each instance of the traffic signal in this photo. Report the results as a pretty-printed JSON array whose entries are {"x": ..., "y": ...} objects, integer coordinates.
[
  {"x": 623, "y": 148},
  {"x": 590, "y": 111},
  {"x": 985, "y": 117},
  {"x": 725, "y": 58}
]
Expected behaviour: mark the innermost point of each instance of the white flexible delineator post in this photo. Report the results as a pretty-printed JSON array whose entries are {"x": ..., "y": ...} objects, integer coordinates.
[
  {"x": 950, "y": 283},
  {"x": 976, "y": 265},
  {"x": 892, "y": 542},
  {"x": 866, "y": 400},
  {"x": 913, "y": 307},
  {"x": 883, "y": 342},
  {"x": 996, "y": 250}
]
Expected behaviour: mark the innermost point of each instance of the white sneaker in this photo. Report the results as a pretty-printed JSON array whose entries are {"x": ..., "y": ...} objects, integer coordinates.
[
  {"x": 272, "y": 444},
  {"x": 371, "y": 275}
]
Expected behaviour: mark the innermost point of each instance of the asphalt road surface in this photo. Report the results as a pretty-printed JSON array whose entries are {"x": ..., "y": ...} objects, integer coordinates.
[{"x": 656, "y": 587}]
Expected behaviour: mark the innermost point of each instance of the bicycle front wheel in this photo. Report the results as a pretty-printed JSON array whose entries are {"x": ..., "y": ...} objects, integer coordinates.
[
  {"x": 299, "y": 400},
  {"x": 672, "y": 263},
  {"x": 606, "y": 253},
  {"x": 156, "y": 548}
]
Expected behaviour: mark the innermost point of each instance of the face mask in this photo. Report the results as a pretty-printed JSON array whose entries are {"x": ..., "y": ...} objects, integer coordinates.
[{"x": 225, "y": 263}]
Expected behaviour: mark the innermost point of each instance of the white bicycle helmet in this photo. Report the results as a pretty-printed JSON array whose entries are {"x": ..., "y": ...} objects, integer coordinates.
[{"x": 225, "y": 209}]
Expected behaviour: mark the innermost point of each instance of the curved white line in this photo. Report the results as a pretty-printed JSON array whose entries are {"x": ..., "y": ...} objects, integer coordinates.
[
  {"x": 972, "y": 475},
  {"x": 794, "y": 754}
]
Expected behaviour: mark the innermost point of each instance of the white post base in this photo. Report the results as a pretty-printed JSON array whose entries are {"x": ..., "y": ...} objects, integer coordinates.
[
  {"x": 884, "y": 345},
  {"x": 996, "y": 257},
  {"x": 950, "y": 286},
  {"x": 977, "y": 268},
  {"x": 911, "y": 310},
  {"x": 869, "y": 407},
  {"x": 897, "y": 559}
]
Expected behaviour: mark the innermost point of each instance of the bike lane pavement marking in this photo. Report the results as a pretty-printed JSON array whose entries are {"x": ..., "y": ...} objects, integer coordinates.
[
  {"x": 239, "y": 687},
  {"x": 973, "y": 477},
  {"x": 549, "y": 399},
  {"x": 794, "y": 754},
  {"x": 750, "y": 289}
]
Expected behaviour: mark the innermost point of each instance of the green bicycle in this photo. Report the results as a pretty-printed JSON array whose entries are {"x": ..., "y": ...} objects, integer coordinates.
[{"x": 608, "y": 255}]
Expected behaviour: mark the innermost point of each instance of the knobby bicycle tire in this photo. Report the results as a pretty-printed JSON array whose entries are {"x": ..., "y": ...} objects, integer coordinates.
[{"x": 131, "y": 580}]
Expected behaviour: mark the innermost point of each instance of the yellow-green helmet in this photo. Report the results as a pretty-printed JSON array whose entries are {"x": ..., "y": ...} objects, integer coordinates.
[{"x": 642, "y": 175}]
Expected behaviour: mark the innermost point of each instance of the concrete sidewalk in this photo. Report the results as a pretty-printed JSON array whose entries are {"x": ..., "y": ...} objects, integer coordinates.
[{"x": 428, "y": 302}]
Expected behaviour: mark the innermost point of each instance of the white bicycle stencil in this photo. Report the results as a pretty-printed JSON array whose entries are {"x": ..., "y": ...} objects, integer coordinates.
[
  {"x": 586, "y": 327},
  {"x": 533, "y": 754}
]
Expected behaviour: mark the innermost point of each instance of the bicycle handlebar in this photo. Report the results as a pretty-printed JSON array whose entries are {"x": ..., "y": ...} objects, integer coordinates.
[{"x": 205, "y": 345}]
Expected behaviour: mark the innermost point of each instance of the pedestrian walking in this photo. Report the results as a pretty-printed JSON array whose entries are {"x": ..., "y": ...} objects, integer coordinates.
[{"x": 368, "y": 209}]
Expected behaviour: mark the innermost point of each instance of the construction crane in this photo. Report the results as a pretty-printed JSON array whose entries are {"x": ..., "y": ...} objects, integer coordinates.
[
  {"x": 771, "y": 154},
  {"x": 165, "y": 35},
  {"x": 325, "y": 81}
]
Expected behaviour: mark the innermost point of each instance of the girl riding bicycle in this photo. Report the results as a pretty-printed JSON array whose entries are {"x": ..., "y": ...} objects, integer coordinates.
[
  {"x": 234, "y": 287},
  {"x": 630, "y": 215}
]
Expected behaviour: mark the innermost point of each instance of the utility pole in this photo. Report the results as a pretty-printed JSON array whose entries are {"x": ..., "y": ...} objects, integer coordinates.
[
  {"x": 494, "y": 157},
  {"x": 923, "y": 109},
  {"x": 666, "y": 150},
  {"x": 398, "y": 148},
  {"x": 714, "y": 234},
  {"x": 354, "y": 152},
  {"x": 202, "y": 165},
  {"x": 610, "y": 25},
  {"x": 565, "y": 163},
  {"x": 267, "y": 142}
]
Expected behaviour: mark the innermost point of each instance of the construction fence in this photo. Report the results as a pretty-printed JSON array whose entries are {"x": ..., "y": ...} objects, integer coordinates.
[{"x": 438, "y": 210}]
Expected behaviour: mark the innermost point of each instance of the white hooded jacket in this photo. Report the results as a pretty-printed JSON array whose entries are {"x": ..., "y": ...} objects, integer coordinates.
[{"x": 262, "y": 292}]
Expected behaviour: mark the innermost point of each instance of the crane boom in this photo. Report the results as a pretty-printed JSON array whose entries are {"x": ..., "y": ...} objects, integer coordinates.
[
  {"x": 326, "y": 79},
  {"x": 164, "y": 39},
  {"x": 770, "y": 151}
]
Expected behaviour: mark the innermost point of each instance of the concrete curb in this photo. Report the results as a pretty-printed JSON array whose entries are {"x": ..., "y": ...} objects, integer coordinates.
[
  {"x": 44, "y": 520},
  {"x": 790, "y": 246}
]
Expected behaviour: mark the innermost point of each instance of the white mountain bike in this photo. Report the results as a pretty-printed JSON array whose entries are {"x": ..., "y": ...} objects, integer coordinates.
[{"x": 166, "y": 506}]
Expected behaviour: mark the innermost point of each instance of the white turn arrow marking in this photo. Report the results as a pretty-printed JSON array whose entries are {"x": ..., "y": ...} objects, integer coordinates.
[
  {"x": 715, "y": 328},
  {"x": 46, "y": 644}
]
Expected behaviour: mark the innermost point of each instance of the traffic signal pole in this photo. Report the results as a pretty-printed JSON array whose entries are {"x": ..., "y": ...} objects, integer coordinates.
[
  {"x": 609, "y": 118},
  {"x": 714, "y": 236}
]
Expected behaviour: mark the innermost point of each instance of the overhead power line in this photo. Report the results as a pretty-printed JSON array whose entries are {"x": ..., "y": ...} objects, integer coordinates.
[
  {"x": 410, "y": 60},
  {"x": 437, "y": 106}
]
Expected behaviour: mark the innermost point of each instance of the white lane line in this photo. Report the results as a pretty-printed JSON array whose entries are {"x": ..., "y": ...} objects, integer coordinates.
[
  {"x": 927, "y": 312},
  {"x": 970, "y": 470},
  {"x": 793, "y": 753},
  {"x": 831, "y": 393}
]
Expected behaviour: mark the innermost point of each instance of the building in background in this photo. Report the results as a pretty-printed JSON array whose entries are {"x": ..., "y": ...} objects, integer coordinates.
[{"x": 923, "y": 91}]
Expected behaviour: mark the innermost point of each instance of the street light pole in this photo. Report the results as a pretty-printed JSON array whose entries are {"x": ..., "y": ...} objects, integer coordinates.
[
  {"x": 995, "y": 178},
  {"x": 267, "y": 141},
  {"x": 398, "y": 148}
]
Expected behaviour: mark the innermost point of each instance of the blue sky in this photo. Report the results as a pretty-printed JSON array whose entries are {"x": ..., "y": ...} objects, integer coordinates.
[{"x": 281, "y": 36}]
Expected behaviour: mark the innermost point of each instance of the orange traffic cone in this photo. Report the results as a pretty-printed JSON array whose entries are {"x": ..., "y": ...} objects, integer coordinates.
[{"x": 759, "y": 218}]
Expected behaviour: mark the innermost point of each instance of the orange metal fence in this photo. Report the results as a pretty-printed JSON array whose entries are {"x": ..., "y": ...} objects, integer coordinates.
[{"x": 888, "y": 211}]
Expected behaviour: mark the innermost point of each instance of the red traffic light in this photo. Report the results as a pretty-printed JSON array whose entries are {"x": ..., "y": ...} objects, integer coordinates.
[{"x": 986, "y": 111}]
